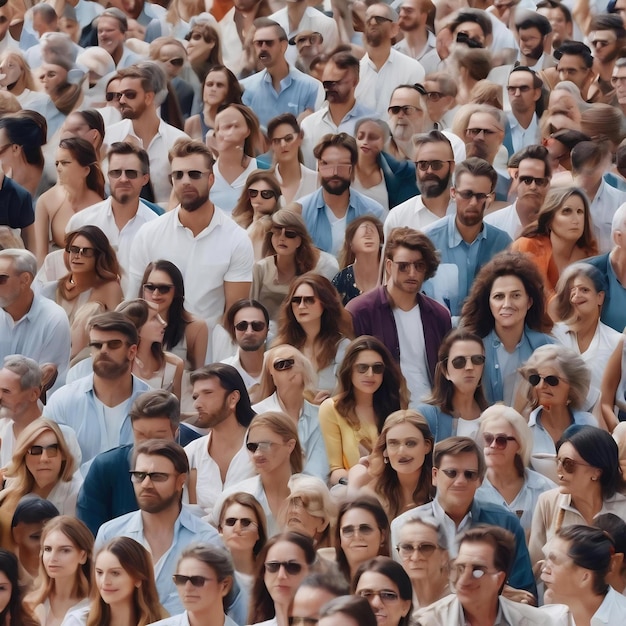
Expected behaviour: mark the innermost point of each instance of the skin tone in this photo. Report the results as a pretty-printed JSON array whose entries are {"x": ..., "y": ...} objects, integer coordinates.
[
  {"x": 309, "y": 600},
  {"x": 52, "y": 77},
  {"x": 387, "y": 613},
  {"x": 370, "y": 142},
  {"x": 523, "y": 102},
  {"x": 285, "y": 142},
  {"x": 110, "y": 37},
  {"x": 14, "y": 164},
  {"x": 145, "y": 428},
  {"x": 484, "y": 145},
  {"x": 16, "y": 403},
  {"x": 239, "y": 540},
  {"x": 214, "y": 93},
  {"x": 435, "y": 185},
  {"x": 45, "y": 469},
  {"x": 340, "y": 95},
  {"x": 231, "y": 132},
  {"x": 403, "y": 287},
  {"x": 251, "y": 343},
  {"x": 198, "y": 49},
  {"x": 465, "y": 380},
  {"x": 167, "y": 54},
  {"x": 618, "y": 82},
  {"x": 285, "y": 257},
  {"x": 405, "y": 125},
  {"x": 530, "y": 197},
  {"x": 27, "y": 539},
  {"x": 337, "y": 619},
  {"x": 14, "y": 75},
  {"x": 509, "y": 303},
  {"x": 572, "y": 67},
  {"x": 587, "y": 304},
  {"x": 298, "y": 519},
  {"x": 309, "y": 316},
  {"x": 5, "y": 591},
  {"x": 437, "y": 109},
  {"x": 75, "y": 126},
  {"x": 359, "y": 548},
  {"x": 289, "y": 383},
  {"x": 366, "y": 248},
  {"x": 336, "y": 172},
  {"x": 116, "y": 587}
]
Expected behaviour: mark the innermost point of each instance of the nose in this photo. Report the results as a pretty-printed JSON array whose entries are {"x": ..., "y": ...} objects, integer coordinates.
[
  {"x": 468, "y": 364},
  {"x": 302, "y": 305},
  {"x": 376, "y": 601}
]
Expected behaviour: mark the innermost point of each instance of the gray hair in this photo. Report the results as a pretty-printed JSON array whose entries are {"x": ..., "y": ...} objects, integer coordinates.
[
  {"x": 26, "y": 368},
  {"x": 23, "y": 260},
  {"x": 429, "y": 521}
]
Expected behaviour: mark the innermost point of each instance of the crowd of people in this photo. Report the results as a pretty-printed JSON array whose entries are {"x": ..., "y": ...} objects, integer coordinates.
[{"x": 312, "y": 313}]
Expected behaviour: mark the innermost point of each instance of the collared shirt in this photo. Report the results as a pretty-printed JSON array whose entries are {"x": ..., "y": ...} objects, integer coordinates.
[
  {"x": 158, "y": 149},
  {"x": 248, "y": 380},
  {"x": 500, "y": 618},
  {"x": 611, "y": 611},
  {"x": 431, "y": 44},
  {"x": 232, "y": 48},
  {"x": 520, "y": 136},
  {"x": 602, "y": 208},
  {"x": 506, "y": 219},
  {"x": 414, "y": 214},
  {"x": 222, "y": 252},
  {"x": 298, "y": 92}
]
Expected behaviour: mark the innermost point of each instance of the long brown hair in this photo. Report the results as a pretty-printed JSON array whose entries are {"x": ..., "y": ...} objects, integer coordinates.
[
  {"x": 243, "y": 213},
  {"x": 346, "y": 255},
  {"x": 85, "y": 154}
]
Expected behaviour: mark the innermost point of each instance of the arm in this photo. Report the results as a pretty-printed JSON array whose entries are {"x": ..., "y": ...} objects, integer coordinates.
[
  {"x": 538, "y": 531},
  {"x": 329, "y": 425},
  {"x": 191, "y": 486},
  {"x": 610, "y": 382},
  {"x": 28, "y": 237},
  {"x": 178, "y": 375},
  {"x": 197, "y": 334},
  {"x": 94, "y": 498},
  {"x": 42, "y": 225},
  {"x": 234, "y": 292}
]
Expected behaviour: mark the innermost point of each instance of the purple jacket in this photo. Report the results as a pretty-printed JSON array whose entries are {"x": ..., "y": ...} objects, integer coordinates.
[{"x": 372, "y": 314}]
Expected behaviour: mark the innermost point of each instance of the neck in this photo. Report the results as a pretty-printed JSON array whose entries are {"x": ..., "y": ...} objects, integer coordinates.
[
  {"x": 464, "y": 404},
  {"x": 469, "y": 233},
  {"x": 401, "y": 299},
  {"x": 228, "y": 431},
  {"x": 312, "y": 330},
  {"x": 510, "y": 337},
  {"x": 291, "y": 400},
  {"x": 560, "y": 247},
  {"x": 278, "y": 72},
  {"x": 590, "y": 190},
  {"x": 252, "y": 362},
  {"x": 290, "y": 171},
  {"x": 337, "y": 204},
  {"x": 429, "y": 590},
  {"x": 285, "y": 263},
  {"x": 214, "y": 616},
  {"x": 583, "y": 607},
  {"x": 232, "y": 156},
  {"x": 405, "y": 147},
  {"x": 147, "y": 126},
  {"x": 439, "y": 204},
  {"x": 123, "y": 614},
  {"x": 481, "y": 615},
  {"x": 338, "y": 110},
  {"x": 162, "y": 522},
  {"x": 456, "y": 515},
  {"x": 64, "y": 589},
  {"x": 113, "y": 391},
  {"x": 589, "y": 503},
  {"x": 295, "y": 11},
  {"x": 276, "y": 482},
  {"x": 525, "y": 118},
  {"x": 282, "y": 614},
  {"x": 196, "y": 221},
  {"x": 526, "y": 210},
  {"x": 416, "y": 39},
  {"x": 243, "y": 560},
  {"x": 21, "y": 306},
  {"x": 558, "y": 416},
  {"x": 124, "y": 212},
  {"x": 378, "y": 55},
  {"x": 363, "y": 399},
  {"x": 502, "y": 476}
]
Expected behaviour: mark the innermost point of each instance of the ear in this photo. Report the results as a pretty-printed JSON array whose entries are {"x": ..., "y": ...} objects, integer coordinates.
[
  {"x": 291, "y": 444},
  {"x": 180, "y": 481},
  {"x": 226, "y": 585},
  {"x": 434, "y": 479},
  {"x": 83, "y": 557},
  {"x": 530, "y": 303},
  {"x": 144, "y": 179},
  {"x": 132, "y": 352},
  {"x": 149, "y": 97},
  {"x": 233, "y": 399},
  {"x": 601, "y": 296},
  {"x": 453, "y": 193}
]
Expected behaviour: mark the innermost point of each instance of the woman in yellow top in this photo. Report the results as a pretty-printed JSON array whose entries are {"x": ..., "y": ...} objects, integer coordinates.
[{"x": 371, "y": 387}]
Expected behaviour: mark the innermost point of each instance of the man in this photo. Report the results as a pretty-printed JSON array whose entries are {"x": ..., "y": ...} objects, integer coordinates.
[
  {"x": 341, "y": 111},
  {"x": 533, "y": 181},
  {"x": 575, "y": 64},
  {"x": 434, "y": 161},
  {"x": 247, "y": 323},
  {"x": 524, "y": 91},
  {"x": 383, "y": 68},
  {"x": 484, "y": 562},
  {"x": 413, "y": 20},
  {"x": 122, "y": 214},
  {"x": 312, "y": 594},
  {"x": 309, "y": 45},
  {"x": 16, "y": 209},
  {"x": 329, "y": 210},
  {"x": 441, "y": 91},
  {"x": 406, "y": 113},
  {"x": 590, "y": 161},
  {"x": 279, "y": 88},
  {"x": 107, "y": 492},
  {"x": 142, "y": 90},
  {"x": 213, "y": 253},
  {"x": 458, "y": 471},
  {"x": 30, "y": 324},
  {"x": 163, "y": 525},
  {"x": 560, "y": 19},
  {"x": 409, "y": 323},
  {"x": 607, "y": 37},
  {"x": 618, "y": 81},
  {"x": 112, "y": 26},
  {"x": 533, "y": 32},
  {"x": 465, "y": 242},
  {"x": 97, "y": 406}
]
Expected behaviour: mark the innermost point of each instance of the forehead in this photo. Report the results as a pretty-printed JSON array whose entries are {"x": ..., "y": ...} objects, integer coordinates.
[
  {"x": 371, "y": 128},
  {"x": 190, "y": 162},
  {"x": 403, "y": 96},
  {"x": 418, "y": 532},
  {"x": 126, "y": 161},
  {"x": 211, "y": 383},
  {"x": 229, "y": 116},
  {"x": 128, "y": 82},
  {"x": 153, "y": 463},
  {"x": 170, "y": 50},
  {"x": 470, "y": 27},
  {"x": 249, "y": 313},
  {"x": 476, "y": 552},
  {"x": 335, "y": 154},
  {"x": 434, "y": 151},
  {"x": 304, "y": 290},
  {"x": 464, "y": 460},
  {"x": 467, "y": 347},
  {"x": 470, "y": 182},
  {"x": 268, "y": 32},
  {"x": 606, "y": 35},
  {"x": 572, "y": 60},
  {"x": 533, "y": 31},
  {"x": 333, "y": 72},
  {"x": 520, "y": 78},
  {"x": 483, "y": 120},
  {"x": 531, "y": 167},
  {"x": 406, "y": 254},
  {"x": 216, "y": 76},
  {"x": 97, "y": 334},
  {"x": 9, "y": 379},
  {"x": 378, "y": 9},
  {"x": 376, "y": 580}
]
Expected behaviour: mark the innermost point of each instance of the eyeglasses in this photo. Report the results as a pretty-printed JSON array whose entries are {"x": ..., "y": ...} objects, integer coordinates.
[
  {"x": 407, "y": 109},
  {"x": 292, "y": 568},
  {"x": 261, "y": 446},
  {"x": 408, "y": 549},
  {"x": 435, "y": 96},
  {"x": 552, "y": 381},
  {"x": 112, "y": 344},
  {"x": 306, "y": 300},
  {"x": 113, "y": 95},
  {"x": 244, "y": 522},
  {"x": 379, "y": 19},
  {"x": 474, "y": 132},
  {"x": 176, "y": 61},
  {"x": 363, "y": 368},
  {"x": 290, "y": 138},
  {"x": 513, "y": 89},
  {"x": 529, "y": 180},
  {"x": 259, "y": 43},
  {"x": 501, "y": 440},
  {"x": 569, "y": 465},
  {"x": 618, "y": 80},
  {"x": 257, "y": 326},
  {"x": 468, "y": 194},
  {"x": 160, "y": 288},
  {"x": 4, "y": 279},
  {"x": 197, "y": 581},
  {"x": 193, "y": 174},
  {"x": 302, "y": 621},
  {"x": 88, "y": 253},
  {"x": 365, "y": 530},
  {"x": 384, "y": 595},
  {"x": 336, "y": 169},
  {"x": 405, "y": 266},
  {"x": 128, "y": 94},
  {"x": 155, "y": 477},
  {"x": 459, "y": 362},
  {"x": 470, "y": 475},
  {"x": 130, "y": 174},
  {"x": 51, "y": 450},
  {"x": 312, "y": 39},
  {"x": 289, "y": 233},
  {"x": 266, "y": 194},
  {"x": 283, "y": 364},
  {"x": 435, "y": 165},
  {"x": 476, "y": 571}
]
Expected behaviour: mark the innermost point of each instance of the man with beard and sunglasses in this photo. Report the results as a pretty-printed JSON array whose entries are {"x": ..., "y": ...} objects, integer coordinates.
[
  {"x": 329, "y": 210},
  {"x": 607, "y": 37},
  {"x": 212, "y": 252}
]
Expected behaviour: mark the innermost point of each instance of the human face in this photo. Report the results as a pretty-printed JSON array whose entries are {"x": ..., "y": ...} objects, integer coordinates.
[
  {"x": 437, "y": 106},
  {"x": 434, "y": 183},
  {"x": 388, "y": 612},
  {"x": 114, "y": 88},
  {"x": 591, "y": 175},
  {"x": 378, "y": 33},
  {"x": 406, "y": 448},
  {"x": 11, "y": 70},
  {"x": 268, "y": 48},
  {"x": 522, "y": 94},
  {"x": 572, "y": 67},
  {"x": 68, "y": 168},
  {"x": 154, "y": 328},
  {"x": 360, "y": 544},
  {"x": 548, "y": 396},
  {"x": 303, "y": 312},
  {"x": 410, "y": 16},
  {"x": 198, "y": 49},
  {"x": 201, "y": 600},
  {"x": 79, "y": 263},
  {"x": 15, "y": 401},
  {"x": 192, "y": 193},
  {"x": 406, "y": 123},
  {"x": 603, "y": 45},
  {"x": 339, "y": 84},
  {"x": 300, "y": 520},
  {"x": 52, "y": 77},
  {"x": 266, "y": 461},
  {"x": 12, "y": 289},
  {"x": 307, "y": 604},
  {"x": 283, "y": 245},
  {"x": 618, "y": 81},
  {"x": 115, "y": 584},
  {"x": 45, "y": 468},
  {"x": 156, "y": 497},
  {"x": 111, "y": 361},
  {"x": 172, "y": 59},
  {"x": 75, "y": 126},
  {"x": 230, "y": 128},
  {"x": 495, "y": 457},
  {"x": 215, "y": 88},
  {"x": 533, "y": 195},
  {"x": 250, "y": 340},
  {"x": 123, "y": 189},
  {"x": 456, "y": 494},
  {"x": 368, "y": 382},
  {"x": 562, "y": 101},
  {"x": 582, "y": 478},
  {"x": 370, "y": 140},
  {"x": 366, "y": 239},
  {"x": 110, "y": 36},
  {"x": 561, "y": 29},
  {"x": 238, "y": 538},
  {"x": 335, "y": 168},
  {"x": 484, "y": 144},
  {"x": 70, "y": 27},
  {"x": 282, "y": 586},
  {"x": 260, "y": 205},
  {"x": 559, "y": 572},
  {"x": 568, "y": 223},
  {"x": 468, "y": 377},
  {"x": 6, "y": 589},
  {"x": 61, "y": 557},
  {"x": 286, "y": 378},
  {"x": 145, "y": 428},
  {"x": 212, "y": 402},
  {"x": 509, "y": 302},
  {"x": 286, "y": 142},
  {"x": 584, "y": 298},
  {"x": 417, "y": 565},
  {"x": 134, "y": 101},
  {"x": 470, "y": 212},
  {"x": 531, "y": 43},
  {"x": 472, "y": 30},
  {"x": 163, "y": 301},
  {"x": 411, "y": 279}
]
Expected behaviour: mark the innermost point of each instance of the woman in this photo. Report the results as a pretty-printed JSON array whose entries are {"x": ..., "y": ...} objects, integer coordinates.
[
  {"x": 19, "y": 80},
  {"x": 259, "y": 200},
  {"x": 589, "y": 483},
  {"x": 126, "y": 593},
  {"x": 13, "y": 612},
  {"x": 564, "y": 110},
  {"x": 507, "y": 443},
  {"x": 506, "y": 308},
  {"x": 175, "y": 22},
  {"x": 576, "y": 309},
  {"x": 558, "y": 383},
  {"x": 204, "y": 578},
  {"x": 387, "y": 587},
  {"x": 313, "y": 320},
  {"x": 220, "y": 88},
  {"x": 469, "y": 65},
  {"x": 423, "y": 551},
  {"x": 347, "y": 611},
  {"x": 87, "y": 124},
  {"x": 371, "y": 387},
  {"x": 237, "y": 139},
  {"x": 64, "y": 581},
  {"x": 288, "y": 252},
  {"x": 288, "y": 382},
  {"x": 80, "y": 183},
  {"x": 458, "y": 398},
  {"x": 294, "y": 178},
  {"x": 244, "y": 532},
  {"x": 285, "y": 561},
  {"x": 561, "y": 235},
  {"x": 359, "y": 258},
  {"x": 362, "y": 532},
  {"x": 204, "y": 47},
  {"x": 42, "y": 464}
]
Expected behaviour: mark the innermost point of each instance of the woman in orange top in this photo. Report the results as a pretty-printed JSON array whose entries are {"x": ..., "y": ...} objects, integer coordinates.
[{"x": 561, "y": 235}]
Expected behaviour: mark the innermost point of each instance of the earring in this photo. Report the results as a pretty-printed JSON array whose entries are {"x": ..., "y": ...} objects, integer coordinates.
[{"x": 385, "y": 459}]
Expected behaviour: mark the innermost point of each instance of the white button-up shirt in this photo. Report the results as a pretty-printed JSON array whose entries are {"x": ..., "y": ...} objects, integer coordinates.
[{"x": 414, "y": 214}]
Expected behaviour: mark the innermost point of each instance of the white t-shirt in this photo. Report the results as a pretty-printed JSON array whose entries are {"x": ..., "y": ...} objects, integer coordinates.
[
  {"x": 113, "y": 418},
  {"x": 338, "y": 230}
]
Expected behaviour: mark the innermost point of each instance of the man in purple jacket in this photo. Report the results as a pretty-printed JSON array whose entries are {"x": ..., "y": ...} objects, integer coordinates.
[{"x": 409, "y": 323}]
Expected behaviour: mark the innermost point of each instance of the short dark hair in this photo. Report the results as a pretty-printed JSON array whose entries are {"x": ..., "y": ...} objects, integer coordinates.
[
  {"x": 168, "y": 449},
  {"x": 530, "y": 19},
  {"x": 453, "y": 446},
  {"x": 156, "y": 403},
  {"x": 575, "y": 48},
  {"x": 476, "y": 167},
  {"x": 341, "y": 140},
  {"x": 356, "y": 607},
  {"x": 472, "y": 15},
  {"x": 266, "y": 22},
  {"x": 187, "y": 147},
  {"x": 588, "y": 154},
  {"x": 405, "y": 237},
  {"x": 126, "y": 147},
  {"x": 608, "y": 21},
  {"x": 245, "y": 303},
  {"x": 32, "y": 509},
  {"x": 345, "y": 60},
  {"x": 434, "y": 136},
  {"x": 556, "y": 4},
  {"x": 502, "y": 541},
  {"x": 538, "y": 153},
  {"x": 332, "y": 582},
  {"x": 537, "y": 82},
  {"x": 114, "y": 322}
]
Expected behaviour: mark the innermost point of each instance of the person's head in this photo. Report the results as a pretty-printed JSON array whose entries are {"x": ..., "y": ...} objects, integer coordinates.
[
  {"x": 441, "y": 91},
  {"x": 381, "y": 25},
  {"x": 142, "y": 89},
  {"x": 472, "y": 64},
  {"x": 472, "y": 24},
  {"x": 20, "y": 266},
  {"x": 309, "y": 44},
  {"x": 406, "y": 111},
  {"x": 603, "y": 124},
  {"x": 155, "y": 414},
  {"x": 204, "y": 46},
  {"x": 113, "y": 339},
  {"x": 616, "y": 527},
  {"x": 44, "y": 19},
  {"x": 434, "y": 163},
  {"x": 76, "y": 157},
  {"x": 533, "y": 179},
  {"x": 21, "y": 138},
  {"x": 371, "y": 136},
  {"x": 340, "y": 77},
  {"x": 589, "y": 162},
  {"x": 606, "y": 36},
  {"x": 237, "y": 125},
  {"x": 129, "y": 171},
  {"x": 560, "y": 145},
  {"x": 524, "y": 89},
  {"x": 242, "y": 524},
  {"x": 111, "y": 27},
  {"x": 415, "y": 15},
  {"x": 285, "y": 137},
  {"x": 247, "y": 322},
  {"x": 170, "y": 53},
  {"x": 191, "y": 164},
  {"x": 16, "y": 70},
  {"x": 88, "y": 251},
  {"x": 484, "y": 132},
  {"x": 574, "y": 63},
  {"x": 560, "y": 19},
  {"x": 336, "y": 157},
  {"x": 533, "y": 30},
  {"x": 579, "y": 293},
  {"x": 618, "y": 80},
  {"x": 221, "y": 87},
  {"x": 12, "y": 610},
  {"x": 363, "y": 235},
  {"x": 218, "y": 394},
  {"x": 347, "y": 611},
  {"x": 260, "y": 197},
  {"x": 473, "y": 190},
  {"x": 618, "y": 227},
  {"x": 387, "y": 587},
  {"x": 20, "y": 387},
  {"x": 270, "y": 42},
  {"x": 315, "y": 591},
  {"x": 86, "y": 124}
]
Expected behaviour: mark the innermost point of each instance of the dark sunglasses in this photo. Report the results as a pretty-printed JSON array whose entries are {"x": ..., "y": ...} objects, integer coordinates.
[
  {"x": 4, "y": 278},
  {"x": 529, "y": 180},
  {"x": 113, "y": 95},
  {"x": 193, "y": 174},
  {"x": 88, "y": 253},
  {"x": 405, "y": 266},
  {"x": 281, "y": 365},
  {"x": 51, "y": 451},
  {"x": 257, "y": 326},
  {"x": 569, "y": 465},
  {"x": 155, "y": 477},
  {"x": 263, "y": 446},
  {"x": 245, "y": 522},
  {"x": 459, "y": 362},
  {"x": 407, "y": 109},
  {"x": 468, "y": 194},
  {"x": 435, "y": 165},
  {"x": 176, "y": 62},
  {"x": 379, "y": 19},
  {"x": 377, "y": 368},
  {"x": 196, "y": 581},
  {"x": 162, "y": 289},
  {"x": 552, "y": 381},
  {"x": 112, "y": 344},
  {"x": 474, "y": 132},
  {"x": 293, "y": 569},
  {"x": 384, "y": 595},
  {"x": 502, "y": 441},
  {"x": 266, "y": 194},
  {"x": 130, "y": 174},
  {"x": 434, "y": 96},
  {"x": 522, "y": 89},
  {"x": 129, "y": 94},
  {"x": 277, "y": 231},
  {"x": 408, "y": 549},
  {"x": 470, "y": 475},
  {"x": 362, "y": 529},
  {"x": 307, "y": 300}
]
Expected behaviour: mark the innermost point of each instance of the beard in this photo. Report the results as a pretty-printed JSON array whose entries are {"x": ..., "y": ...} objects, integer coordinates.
[
  {"x": 193, "y": 204},
  {"x": 251, "y": 345},
  {"x": 402, "y": 132},
  {"x": 122, "y": 197},
  {"x": 535, "y": 53},
  {"x": 373, "y": 39},
  {"x": 157, "y": 505},
  {"x": 479, "y": 150},
  {"x": 110, "y": 370},
  {"x": 433, "y": 187},
  {"x": 338, "y": 189}
]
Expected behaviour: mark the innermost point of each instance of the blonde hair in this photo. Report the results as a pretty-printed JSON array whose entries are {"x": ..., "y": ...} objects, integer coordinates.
[
  {"x": 284, "y": 427},
  {"x": 267, "y": 386}
]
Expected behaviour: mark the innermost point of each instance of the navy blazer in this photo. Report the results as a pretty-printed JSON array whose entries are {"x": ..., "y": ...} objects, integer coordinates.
[{"x": 399, "y": 179}]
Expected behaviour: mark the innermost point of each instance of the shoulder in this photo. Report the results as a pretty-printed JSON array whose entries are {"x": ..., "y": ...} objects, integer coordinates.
[
  {"x": 366, "y": 301},
  {"x": 497, "y": 234},
  {"x": 496, "y": 514},
  {"x": 430, "y": 306}
]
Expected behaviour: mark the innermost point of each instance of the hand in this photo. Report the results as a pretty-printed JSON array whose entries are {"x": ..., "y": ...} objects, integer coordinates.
[{"x": 519, "y": 595}]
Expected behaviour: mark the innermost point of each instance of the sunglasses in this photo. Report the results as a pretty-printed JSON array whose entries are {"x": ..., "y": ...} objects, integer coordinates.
[
  {"x": 474, "y": 132},
  {"x": 407, "y": 109},
  {"x": 306, "y": 300},
  {"x": 113, "y": 95},
  {"x": 128, "y": 94},
  {"x": 569, "y": 465},
  {"x": 552, "y": 381},
  {"x": 379, "y": 19},
  {"x": 243, "y": 521},
  {"x": 4, "y": 278},
  {"x": 276, "y": 141},
  {"x": 283, "y": 364},
  {"x": 155, "y": 477},
  {"x": 257, "y": 326},
  {"x": 130, "y": 174},
  {"x": 459, "y": 362},
  {"x": 467, "y": 194},
  {"x": 52, "y": 450},
  {"x": 363, "y": 368},
  {"x": 405, "y": 266},
  {"x": 362, "y": 529},
  {"x": 193, "y": 174},
  {"x": 408, "y": 549},
  {"x": 197, "y": 581},
  {"x": 261, "y": 446},
  {"x": 529, "y": 180},
  {"x": 470, "y": 475},
  {"x": 434, "y": 96},
  {"x": 302, "y": 621},
  {"x": 293, "y": 569},
  {"x": 385, "y": 596},
  {"x": 88, "y": 253},
  {"x": 112, "y": 344},
  {"x": 176, "y": 62},
  {"x": 277, "y": 231},
  {"x": 266, "y": 194},
  {"x": 522, "y": 89},
  {"x": 161, "y": 288},
  {"x": 501, "y": 441},
  {"x": 435, "y": 165}
]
